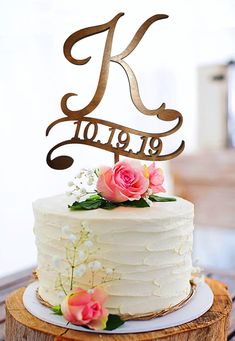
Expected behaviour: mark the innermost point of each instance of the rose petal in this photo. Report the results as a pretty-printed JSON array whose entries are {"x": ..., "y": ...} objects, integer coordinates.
[
  {"x": 79, "y": 297},
  {"x": 156, "y": 178},
  {"x": 99, "y": 295},
  {"x": 103, "y": 183},
  {"x": 101, "y": 322}
]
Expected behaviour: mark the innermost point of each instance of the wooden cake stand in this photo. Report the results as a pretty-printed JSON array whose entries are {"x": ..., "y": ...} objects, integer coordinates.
[{"x": 212, "y": 326}]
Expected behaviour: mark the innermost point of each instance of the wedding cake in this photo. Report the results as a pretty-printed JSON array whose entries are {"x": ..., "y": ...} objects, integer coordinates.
[
  {"x": 113, "y": 249},
  {"x": 141, "y": 256}
]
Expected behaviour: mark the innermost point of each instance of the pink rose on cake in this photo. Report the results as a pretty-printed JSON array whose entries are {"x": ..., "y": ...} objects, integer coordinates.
[
  {"x": 128, "y": 183},
  {"x": 156, "y": 179},
  {"x": 126, "y": 180},
  {"x": 86, "y": 307}
]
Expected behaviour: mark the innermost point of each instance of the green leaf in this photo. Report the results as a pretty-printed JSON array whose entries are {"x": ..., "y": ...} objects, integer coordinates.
[
  {"x": 86, "y": 205},
  {"x": 96, "y": 201},
  {"x": 156, "y": 198},
  {"x": 135, "y": 203},
  {"x": 57, "y": 310},
  {"x": 93, "y": 202},
  {"x": 114, "y": 321},
  {"x": 94, "y": 197},
  {"x": 108, "y": 205}
]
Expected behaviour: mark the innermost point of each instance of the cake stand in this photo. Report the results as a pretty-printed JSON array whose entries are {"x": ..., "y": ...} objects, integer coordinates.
[{"x": 212, "y": 326}]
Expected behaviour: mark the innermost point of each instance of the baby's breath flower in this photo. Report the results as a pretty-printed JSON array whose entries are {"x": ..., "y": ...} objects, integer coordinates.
[
  {"x": 72, "y": 238},
  {"x": 68, "y": 193},
  {"x": 90, "y": 235},
  {"x": 109, "y": 271},
  {"x": 70, "y": 183},
  {"x": 90, "y": 180},
  {"x": 88, "y": 244},
  {"x": 56, "y": 261},
  {"x": 83, "y": 191},
  {"x": 79, "y": 175},
  {"x": 85, "y": 226},
  {"x": 95, "y": 265},
  {"x": 81, "y": 255},
  {"x": 82, "y": 267},
  {"x": 65, "y": 230},
  {"x": 83, "y": 185},
  {"x": 79, "y": 272}
]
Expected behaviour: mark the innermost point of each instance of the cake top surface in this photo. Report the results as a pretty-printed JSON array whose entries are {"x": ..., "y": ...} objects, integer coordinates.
[{"x": 58, "y": 205}]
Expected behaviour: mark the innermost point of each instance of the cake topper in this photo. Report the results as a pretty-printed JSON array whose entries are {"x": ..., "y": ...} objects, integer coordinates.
[{"x": 150, "y": 144}]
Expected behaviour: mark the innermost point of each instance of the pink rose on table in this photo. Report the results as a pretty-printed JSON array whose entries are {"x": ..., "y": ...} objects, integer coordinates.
[
  {"x": 126, "y": 180},
  {"x": 84, "y": 307},
  {"x": 156, "y": 179}
]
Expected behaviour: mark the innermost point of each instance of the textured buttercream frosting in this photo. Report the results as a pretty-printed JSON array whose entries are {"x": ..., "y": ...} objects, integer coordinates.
[{"x": 150, "y": 249}]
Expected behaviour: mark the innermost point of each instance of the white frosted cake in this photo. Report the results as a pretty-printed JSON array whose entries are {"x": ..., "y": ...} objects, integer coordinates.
[{"x": 149, "y": 250}]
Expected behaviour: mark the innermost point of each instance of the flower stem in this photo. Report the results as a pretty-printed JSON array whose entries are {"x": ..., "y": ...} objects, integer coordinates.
[
  {"x": 67, "y": 257},
  {"x": 61, "y": 284},
  {"x": 73, "y": 267}
]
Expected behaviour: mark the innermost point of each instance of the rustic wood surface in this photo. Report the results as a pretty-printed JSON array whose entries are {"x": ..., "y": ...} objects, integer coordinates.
[
  {"x": 7, "y": 285},
  {"x": 212, "y": 326}
]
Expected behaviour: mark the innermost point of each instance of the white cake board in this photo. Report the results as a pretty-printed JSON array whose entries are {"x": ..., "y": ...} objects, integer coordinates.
[{"x": 201, "y": 301}]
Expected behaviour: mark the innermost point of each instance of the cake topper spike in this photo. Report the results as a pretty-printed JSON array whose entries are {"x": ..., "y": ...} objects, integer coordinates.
[{"x": 150, "y": 145}]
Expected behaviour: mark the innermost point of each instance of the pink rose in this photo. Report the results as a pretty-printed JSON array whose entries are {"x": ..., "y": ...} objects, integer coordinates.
[
  {"x": 156, "y": 179},
  {"x": 127, "y": 180},
  {"x": 84, "y": 307}
]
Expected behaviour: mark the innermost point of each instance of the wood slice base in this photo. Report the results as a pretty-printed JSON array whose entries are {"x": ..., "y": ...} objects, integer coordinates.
[{"x": 212, "y": 326}]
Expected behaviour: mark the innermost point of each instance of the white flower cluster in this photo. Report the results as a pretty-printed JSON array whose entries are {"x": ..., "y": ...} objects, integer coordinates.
[
  {"x": 80, "y": 271},
  {"x": 79, "y": 259},
  {"x": 84, "y": 184},
  {"x": 78, "y": 245}
]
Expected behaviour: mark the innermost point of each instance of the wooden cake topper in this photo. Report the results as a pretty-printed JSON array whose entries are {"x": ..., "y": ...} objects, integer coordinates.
[{"x": 150, "y": 145}]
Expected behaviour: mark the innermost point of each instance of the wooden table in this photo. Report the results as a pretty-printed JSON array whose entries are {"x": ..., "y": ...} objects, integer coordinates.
[{"x": 212, "y": 326}]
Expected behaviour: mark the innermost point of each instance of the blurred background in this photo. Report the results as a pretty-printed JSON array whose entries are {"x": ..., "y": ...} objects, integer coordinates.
[{"x": 186, "y": 61}]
